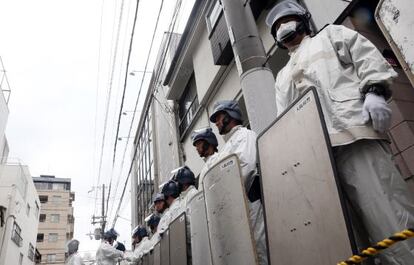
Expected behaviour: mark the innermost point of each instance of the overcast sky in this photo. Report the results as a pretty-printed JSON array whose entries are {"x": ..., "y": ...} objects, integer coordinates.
[{"x": 60, "y": 83}]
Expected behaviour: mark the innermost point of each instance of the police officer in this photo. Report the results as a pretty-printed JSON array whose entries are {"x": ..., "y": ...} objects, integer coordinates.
[
  {"x": 74, "y": 258},
  {"x": 242, "y": 142},
  {"x": 159, "y": 203},
  {"x": 153, "y": 222},
  {"x": 106, "y": 253},
  {"x": 206, "y": 144},
  {"x": 142, "y": 244},
  {"x": 353, "y": 83},
  {"x": 171, "y": 194},
  {"x": 186, "y": 184}
]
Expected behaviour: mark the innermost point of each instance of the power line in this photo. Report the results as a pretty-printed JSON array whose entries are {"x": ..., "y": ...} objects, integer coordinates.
[
  {"x": 171, "y": 27},
  {"x": 108, "y": 100},
  {"x": 139, "y": 93},
  {"x": 97, "y": 95}
]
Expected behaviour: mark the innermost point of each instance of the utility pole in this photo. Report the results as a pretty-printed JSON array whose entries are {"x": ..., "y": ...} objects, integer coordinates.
[
  {"x": 100, "y": 219},
  {"x": 257, "y": 81},
  {"x": 103, "y": 209}
]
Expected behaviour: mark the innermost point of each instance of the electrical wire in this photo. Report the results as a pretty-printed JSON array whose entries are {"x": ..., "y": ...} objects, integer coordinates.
[
  {"x": 139, "y": 93},
  {"x": 171, "y": 27},
  {"x": 96, "y": 99}
]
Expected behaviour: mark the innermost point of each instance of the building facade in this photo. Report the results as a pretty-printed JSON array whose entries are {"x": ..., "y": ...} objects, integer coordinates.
[
  {"x": 203, "y": 70},
  {"x": 20, "y": 209},
  {"x": 56, "y": 220}
]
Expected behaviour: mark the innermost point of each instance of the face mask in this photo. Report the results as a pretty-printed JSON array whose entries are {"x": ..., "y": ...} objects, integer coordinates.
[{"x": 285, "y": 30}]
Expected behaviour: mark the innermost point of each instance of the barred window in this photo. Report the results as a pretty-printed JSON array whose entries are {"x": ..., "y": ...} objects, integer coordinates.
[{"x": 144, "y": 169}]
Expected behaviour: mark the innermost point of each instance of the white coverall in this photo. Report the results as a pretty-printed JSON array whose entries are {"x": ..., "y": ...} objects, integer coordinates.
[
  {"x": 242, "y": 142},
  {"x": 208, "y": 162},
  {"x": 170, "y": 214},
  {"x": 341, "y": 64},
  {"x": 143, "y": 247},
  {"x": 107, "y": 254},
  {"x": 74, "y": 259}
]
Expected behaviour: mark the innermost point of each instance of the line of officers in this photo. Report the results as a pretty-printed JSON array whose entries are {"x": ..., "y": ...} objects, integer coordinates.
[
  {"x": 175, "y": 194},
  {"x": 353, "y": 82}
]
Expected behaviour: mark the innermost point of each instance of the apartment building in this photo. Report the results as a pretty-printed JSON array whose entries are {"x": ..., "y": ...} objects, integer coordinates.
[
  {"x": 20, "y": 209},
  {"x": 56, "y": 221}
]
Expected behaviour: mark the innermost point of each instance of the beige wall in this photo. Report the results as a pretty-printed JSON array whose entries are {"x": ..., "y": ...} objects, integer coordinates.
[{"x": 55, "y": 205}]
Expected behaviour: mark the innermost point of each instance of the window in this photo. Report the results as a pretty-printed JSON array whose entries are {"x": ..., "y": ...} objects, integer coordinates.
[
  {"x": 37, "y": 209},
  {"x": 188, "y": 105},
  {"x": 56, "y": 199},
  {"x": 42, "y": 218},
  {"x": 51, "y": 257},
  {"x": 16, "y": 234},
  {"x": 31, "y": 253},
  {"x": 40, "y": 237},
  {"x": 43, "y": 198},
  {"x": 144, "y": 169},
  {"x": 53, "y": 237},
  {"x": 21, "y": 259},
  {"x": 213, "y": 15},
  {"x": 54, "y": 218},
  {"x": 71, "y": 219},
  {"x": 28, "y": 209}
]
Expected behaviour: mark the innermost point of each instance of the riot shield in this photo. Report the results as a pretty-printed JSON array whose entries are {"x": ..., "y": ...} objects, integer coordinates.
[
  {"x": 304, "y": 217},
  {"x": 178, "y": 241},
  {"x": 165, "y": 248},
  {"x": 145, "y": 259},
  {"x": 231, "y": 241},
  {"x": 200, "y": 245},
  {"x": 151, "y": 257},
  {"x": 157, "y": 254}
]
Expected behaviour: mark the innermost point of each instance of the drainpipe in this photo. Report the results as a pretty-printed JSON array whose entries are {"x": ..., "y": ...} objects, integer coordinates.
[{"x": 257, "y": 81}]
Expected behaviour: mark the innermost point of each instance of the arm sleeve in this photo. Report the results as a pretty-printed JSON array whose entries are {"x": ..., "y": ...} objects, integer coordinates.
[
  {"x": 369, "y": 64},
  {"x": 245, "y": 149},
  {"x": 280, "y": 101},
  {"x": 110, "y": 252}
]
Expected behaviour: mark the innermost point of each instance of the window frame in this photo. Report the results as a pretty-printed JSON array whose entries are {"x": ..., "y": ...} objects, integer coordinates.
[
  {"x": 40, "y": 237},
  {"x": 191, "y": 111},
  {"x": 211, "y": 24},
  {"x": 16, "y": 234},
  {"x": 31, "y": 252},
  {"x": 50, "y": 236},
  {"x": 44, "y": 197}
]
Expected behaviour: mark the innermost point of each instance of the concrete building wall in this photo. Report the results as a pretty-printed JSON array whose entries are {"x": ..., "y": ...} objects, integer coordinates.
[
  {"x": 56, "y": 224},
  {"x": 19, "y": 196}
]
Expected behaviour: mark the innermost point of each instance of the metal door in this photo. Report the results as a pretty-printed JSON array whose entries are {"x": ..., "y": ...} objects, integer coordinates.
[
  {"x": 303, "y": 209},
  {"x": 229, "y": 231},
  {"x": 200, "y": 245}
]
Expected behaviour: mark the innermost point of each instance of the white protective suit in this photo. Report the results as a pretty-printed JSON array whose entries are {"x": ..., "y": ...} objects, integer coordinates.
[
  {"x": 242, "y": 142},
  {"x": 208, "y": 162},
  {"x": 142, "y": 248},
  {"x": 107, "y": 254},
  {"x": 74, "y": 259},
  {"x": 170, "y": 214},
  {"x": 341, "y": 64}
]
